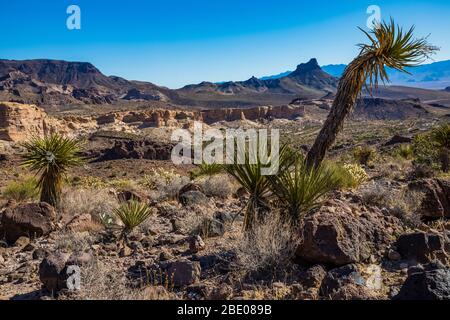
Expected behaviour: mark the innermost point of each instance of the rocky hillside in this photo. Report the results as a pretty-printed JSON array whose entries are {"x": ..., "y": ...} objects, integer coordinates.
[{"x": 53, "y": 82}]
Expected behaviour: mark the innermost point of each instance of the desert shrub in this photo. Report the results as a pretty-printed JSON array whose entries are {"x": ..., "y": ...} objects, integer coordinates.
[
  {"x": 350, "y": 176},
  {"x": 376, "y": 194},
  {"x": 219, "y": 186},
  {"x": 89, "y": 182},
  {"x": 101, "y": 281},
  {"x": 50, "y": 158},
  {"x": 425, "y": 150},
  {"x": 21, "y": 191},
  {"x": 299, "y": 188},
  {"x": 405, "y": 205},
  {"x": 268, "y": 248},
  {"x": 100, "y": 204},
  {"x": 164, "y": 184},
  {"x": 132, "y": 213},
  {"x": 404, "y": 151},
  {"x": 206, "y": 169},
  {"x": 441, "y": 137},
  {"x": 364, "y": 155},
  {"x": 401, "y": 203},
  {"x": 73, "y": 241}
]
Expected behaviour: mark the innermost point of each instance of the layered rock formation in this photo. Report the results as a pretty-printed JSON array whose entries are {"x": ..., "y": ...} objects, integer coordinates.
[{"x": 19, "y": 122}]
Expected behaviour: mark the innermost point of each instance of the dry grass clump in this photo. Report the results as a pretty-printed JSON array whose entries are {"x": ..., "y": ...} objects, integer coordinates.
[
  {"x": 103, "y": 282},
  {"x": 73, "y": 241},
  {"x": 268, "y": 248},
  {"x": 164, "y": 184},
  {"x": 195, "y": 221},
  {"x": 99, "y": 203},
  {"x": 403, "y": 203},
  {"x": 220, "y": 186}
]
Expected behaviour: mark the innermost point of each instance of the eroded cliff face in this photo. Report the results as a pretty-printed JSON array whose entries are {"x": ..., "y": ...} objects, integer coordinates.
[
  {"x": 18, "y": 122},
  {"x": 176, "y": 118}
]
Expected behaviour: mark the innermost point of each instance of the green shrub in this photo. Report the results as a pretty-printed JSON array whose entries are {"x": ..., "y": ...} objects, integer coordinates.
[
  {"x": 350, "y": 176},
  {"x": 364, "y": 155},
  {"x": 21, "y": 191},
  {"x": 404, "y": 151}
]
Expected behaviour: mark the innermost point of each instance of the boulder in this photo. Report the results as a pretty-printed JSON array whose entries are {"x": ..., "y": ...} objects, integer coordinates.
[
  {"x": 398, "y": 140},
  {"x": 184, "y": 272},
  {"x": 429, "y": 283},
  {"x": 28, "y": 220},
  {"x": 54, "y": 269},
  {"x": 196, "y": 244},
  {"x": 339, "y": 277},
  {"x": 192, "y": 198},
  {"x": 419, "y": 246},
  {"x": 80, "y": 223},
  {"x": 341, "y": 233},
  {"x": 436, "y": 201}
]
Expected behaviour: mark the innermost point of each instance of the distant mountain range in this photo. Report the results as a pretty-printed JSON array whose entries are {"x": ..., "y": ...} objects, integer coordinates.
[
  {"x": 62, "y": 83},
  {"x": 428, "y": 76}
]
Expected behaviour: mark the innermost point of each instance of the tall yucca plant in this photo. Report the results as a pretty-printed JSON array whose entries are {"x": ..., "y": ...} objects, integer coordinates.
[
  {"x": 50, "y": 157},
  {"x": 300, "y": 187},
  {"x": 390, "y": 46},
  {"x": 249, "y": 176}
]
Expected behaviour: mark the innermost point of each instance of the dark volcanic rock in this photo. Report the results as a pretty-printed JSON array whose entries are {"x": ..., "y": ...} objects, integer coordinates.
[
  {"x": 430, "y": 283},
  {"x": 419, "y": 246},
  {"x": 337, "y": 278},
  {"x": 436, "y": 203},
  {"x": 340, "y": 233},
  {"x": 398, "y": 140},
  {"x": 29, "y": 220},
  {"x": 137, "y": 149}
]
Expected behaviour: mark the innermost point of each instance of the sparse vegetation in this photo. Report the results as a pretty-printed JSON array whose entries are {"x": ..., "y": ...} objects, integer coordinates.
[
  {"x": 50, "y": 158},
  {"x": 21, "y": 191},
  {"x": 404, "y": 151},
  {"x": 206, "y": 169},
  {"x": 268, "y": 248},
  {"x": 364, "y": 155},
  {"x": 132, "y": 213},
  {"x": 299, "y": 187}
]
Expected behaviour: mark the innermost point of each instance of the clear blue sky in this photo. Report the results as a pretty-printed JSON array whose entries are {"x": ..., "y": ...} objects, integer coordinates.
[{"x": 177, "y": 42}]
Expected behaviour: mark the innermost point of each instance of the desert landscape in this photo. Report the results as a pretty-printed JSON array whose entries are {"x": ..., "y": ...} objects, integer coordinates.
[{"x": 92, "y": 206}]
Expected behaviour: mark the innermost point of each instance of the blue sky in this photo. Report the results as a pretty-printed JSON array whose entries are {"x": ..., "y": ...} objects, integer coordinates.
[{"x": 178, "y": 42}]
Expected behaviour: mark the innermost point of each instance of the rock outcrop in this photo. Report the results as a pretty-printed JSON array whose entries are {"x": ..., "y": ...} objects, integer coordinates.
[
  {"x": 30, "y": 220},
  {"x": 19, "y": 122},
  {"x": 436, "y": 202},
  {"x": 340, "y": 233}
]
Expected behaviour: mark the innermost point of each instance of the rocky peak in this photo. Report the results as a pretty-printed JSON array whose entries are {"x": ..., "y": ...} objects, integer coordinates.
[{"x": 302, "y": 68}]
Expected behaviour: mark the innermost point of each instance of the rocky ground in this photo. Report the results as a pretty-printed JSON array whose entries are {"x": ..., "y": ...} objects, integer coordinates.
[{"x": 385, "y": 239}]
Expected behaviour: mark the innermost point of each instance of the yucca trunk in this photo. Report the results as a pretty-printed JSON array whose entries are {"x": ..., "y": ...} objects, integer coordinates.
[
  {"x": 51, "y": 189},
  {"x": 349, "y": 89}
]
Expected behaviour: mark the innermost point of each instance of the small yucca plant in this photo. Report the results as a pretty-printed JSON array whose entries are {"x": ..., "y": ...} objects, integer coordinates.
[
  {"x": 206, "y": 169},
  {"x": 405, "y": 151},
  {"x": 132, "y": 213},
  {"x": 250, "y": 177},
  {"x": 300, "y": 187},
  {"x": 50, "y": 158}
]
